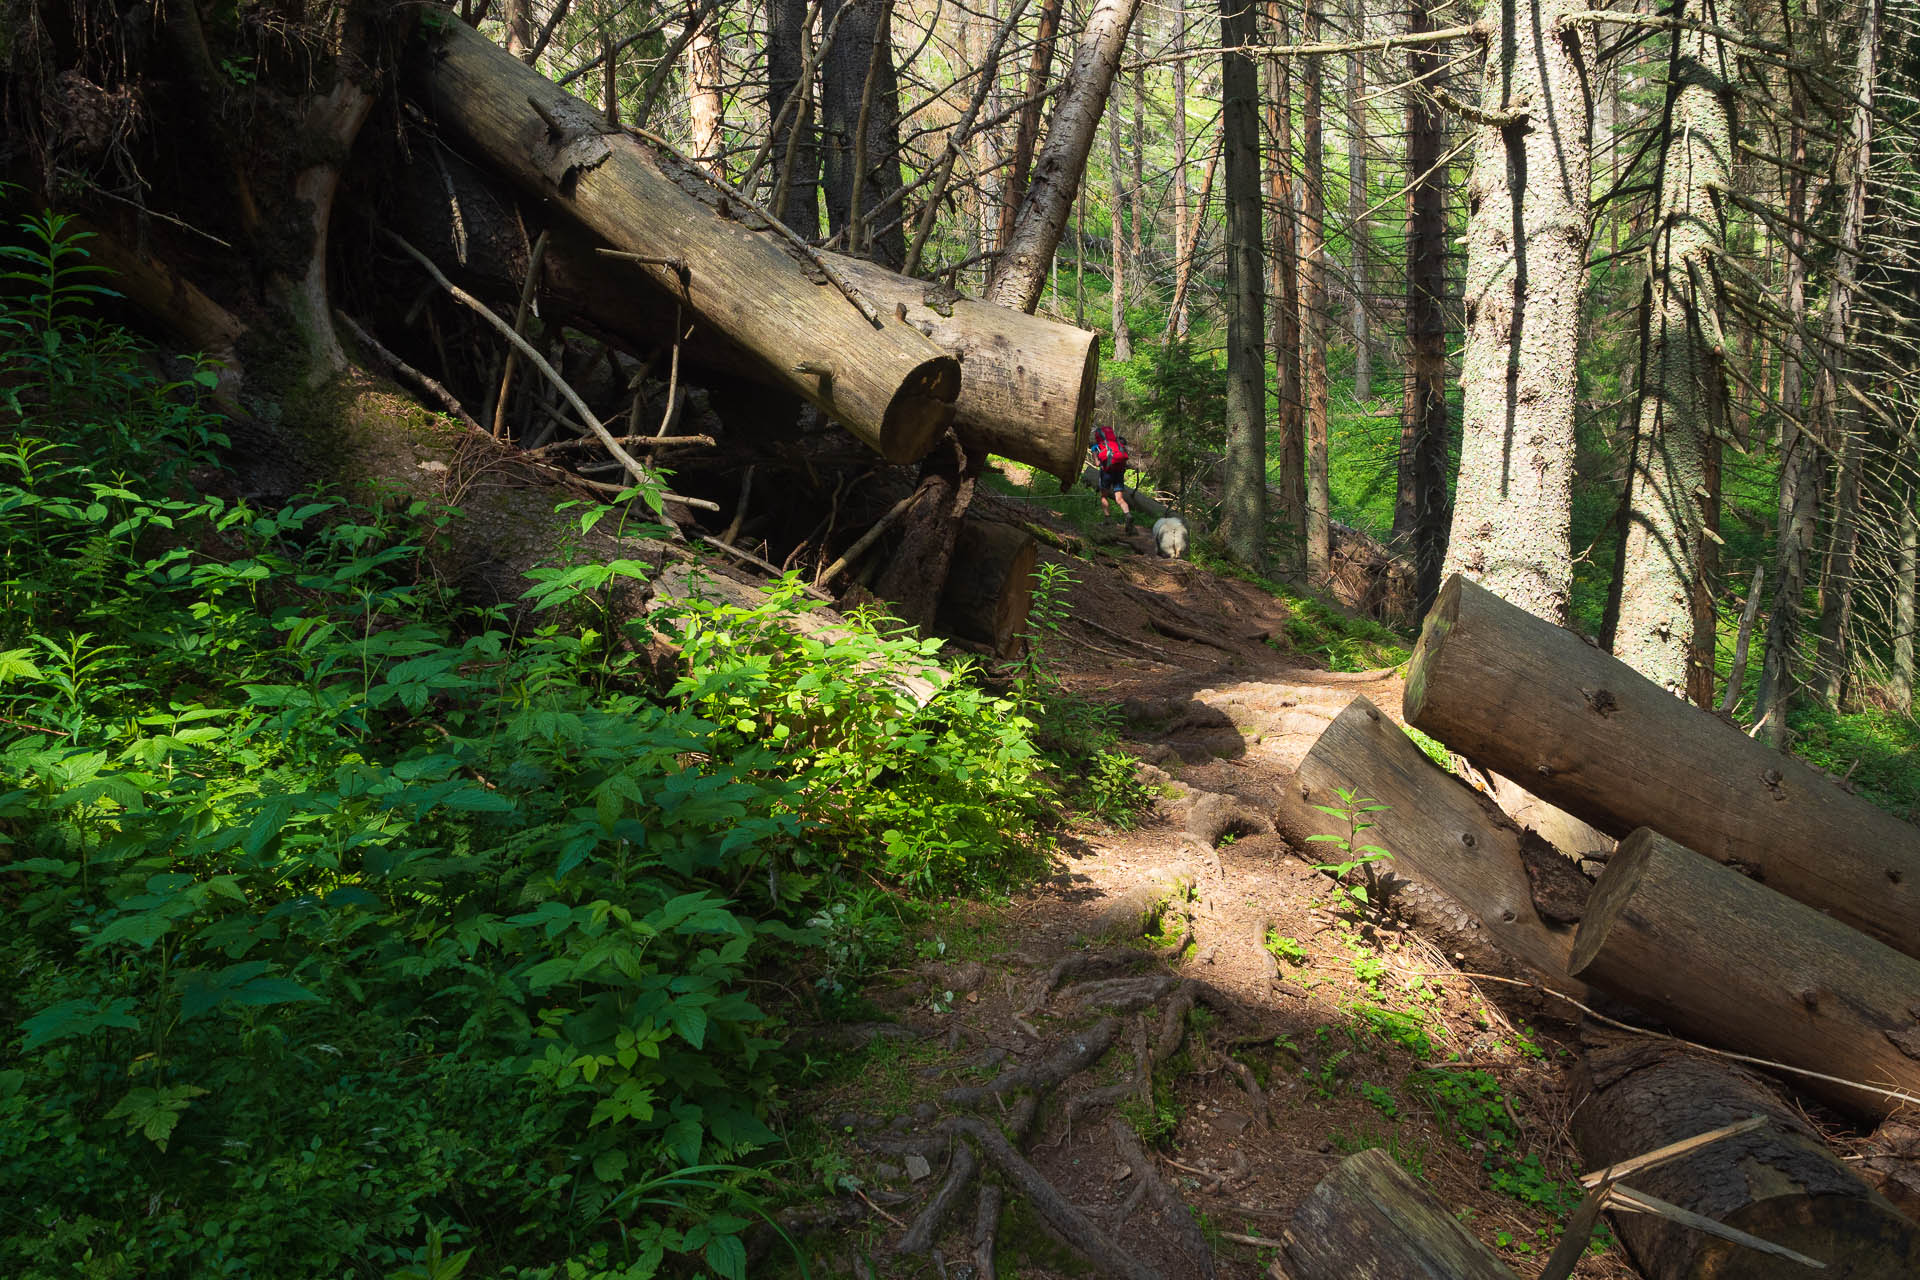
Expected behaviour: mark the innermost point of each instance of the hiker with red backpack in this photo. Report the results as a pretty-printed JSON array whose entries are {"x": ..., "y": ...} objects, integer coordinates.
[{"x": 1110, "y": 458}]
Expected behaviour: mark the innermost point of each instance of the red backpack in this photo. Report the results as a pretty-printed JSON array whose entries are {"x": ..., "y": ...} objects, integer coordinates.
[{"x": 1109, "y": 450}]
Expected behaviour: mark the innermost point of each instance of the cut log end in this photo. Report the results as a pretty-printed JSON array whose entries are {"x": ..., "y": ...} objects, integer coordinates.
[
  {"x": 920, "y": 411},
  {"x": 1070, "y": 466}
]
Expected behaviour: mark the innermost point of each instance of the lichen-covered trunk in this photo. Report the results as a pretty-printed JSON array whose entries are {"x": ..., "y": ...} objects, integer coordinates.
[
  {"x": 1243, "y": 520},
  {"x": 1290, "y": 419},
  {"x": 1670, "y": 495},
  {"x": 786, "y": 62},
  {"x": 1020, "y": 274},
  {"x": 1526, "y": 263},
  {"x": 1313, "y": 306},
  {"x": 1421, "y": 508},
  {"x": 860, "y": 121}
]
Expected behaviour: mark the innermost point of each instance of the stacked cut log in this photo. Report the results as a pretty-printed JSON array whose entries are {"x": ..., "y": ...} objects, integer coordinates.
[{"x": 1753, "y": 907}]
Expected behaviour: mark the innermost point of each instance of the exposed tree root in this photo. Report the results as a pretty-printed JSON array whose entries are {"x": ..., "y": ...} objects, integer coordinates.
[
  {"x": 1080, "y": 1051},
  {"x": 1078, "y": 964},
  {"x": 1113, "y": 1094},
  {"x": 986, "y": 1227},
  {"x": 1122, "y": 995},
  {"x": 1171, "y": 1206},
  {"x": 927, "y": 1227}
]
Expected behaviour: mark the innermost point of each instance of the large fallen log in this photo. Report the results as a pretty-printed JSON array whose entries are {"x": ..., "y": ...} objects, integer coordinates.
[
  {"x": 1733, "y": 964},
  {"x": 1442, "y": 833},
  {"x": 884, "y": 380},
  {"x": 1778, "y": 1182},
  {"x": 989, "y": 585},
  {"x": 1581, "y": 729},
  {"x": 1369, "y": 1219}
]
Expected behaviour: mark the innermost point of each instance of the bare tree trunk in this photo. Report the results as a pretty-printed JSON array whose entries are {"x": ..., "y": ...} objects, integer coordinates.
[
  {"x": 858, "y": 85},
  {"x": 1290, "y": 428},
  {"x": 704, "y": 78},
  {"x": 1526, "y": 264},
  {"x": 1799, "y": 462},
  {"x": 520, "y": 29},
  {"x": 1039, "y": 71},
  {"x": 1137, "y": 188},
  {"x": 1357, "y": 205},
  {"x": 1184, "y": 253},
  {"x": 1021, "y": 272},
  {"x": 1313, "y": 308},
  {"x": 1180, "y": 212},
  {"x": 1117, "y": 295},
  {"x": 787, "y": 36},
  {"x": 1421, "y": 509},
  {"x": 1669, "y": 496},
  {"x": 1904, "y": 581},
  {"x": 1243, "y": 515},
  {"x": 1834, "y": 413}
]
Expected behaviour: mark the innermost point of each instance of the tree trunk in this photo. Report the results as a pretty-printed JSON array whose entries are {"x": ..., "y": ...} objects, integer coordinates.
[
  {"x": 889, "y": 384},
  {"x": 1443, "y": 834},
  {"x": 1290, "y": 443},
  {"x": 990, "y": 585},
  {"x": 787, "y": 36},
  {"x": 1177, "y": 322},
  {"x": 1669, "y": 498},
  {"x": 1243, "y": 522},
  {"x": 519, "y": 21},
  {"x": 1527, "y": 699},
  {"x": 1832, "y": 409},
  {"x": 1357, "y": 205},
  {"x": 858, "y": 87},
  {"x": 1728, "y": 962},
  {"x": 1369, "y": 1218},
  {"x": 1421, "y": 509},
  {"x": 1526, "y": 266},
  {"x": 1904, "y": 580},
  {"x": 1027, "y": 134},
  {"x": 1185, "y": 252},
  {"x": 1799, "y": 462},
  {"x": 1021, "y": 272},
  {"x": 1137, "y": 188},
  {"x": 1313, "y": 310},
  {"x": 1778, "y": 1182},
  {"x": 1117, "y": 294},
  {"x": 704, "y": 77}
]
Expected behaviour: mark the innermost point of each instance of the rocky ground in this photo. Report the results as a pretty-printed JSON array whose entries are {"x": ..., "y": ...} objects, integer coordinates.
[{"x": 1155, "y": 1054}]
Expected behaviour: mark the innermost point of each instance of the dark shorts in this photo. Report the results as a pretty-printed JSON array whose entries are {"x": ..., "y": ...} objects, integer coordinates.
[{"x": 1112, "y": 479}]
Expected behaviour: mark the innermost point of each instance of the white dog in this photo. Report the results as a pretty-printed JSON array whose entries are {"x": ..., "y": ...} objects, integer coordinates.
[{"x": 1170, "y": 537}]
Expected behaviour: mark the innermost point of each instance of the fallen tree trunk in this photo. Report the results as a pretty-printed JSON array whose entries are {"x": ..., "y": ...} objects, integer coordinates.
[
  {"x": 1027, "y": 384},
  {"x": 1368, "y": 1218},
  {"x": 1733, "y": 964},
  {"x": 1778, "y": 1182},
  {"x": 1441, "y": 833},
  {"x": 989, "y": 585},
  {"x": 885, "y": 381},
  {"x": 1583, "y": 730}
]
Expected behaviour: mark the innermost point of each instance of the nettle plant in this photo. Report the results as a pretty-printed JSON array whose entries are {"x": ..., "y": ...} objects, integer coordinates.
[
  {"x": 1377, "y": 892},
  {"x": 355, "y": 929}
]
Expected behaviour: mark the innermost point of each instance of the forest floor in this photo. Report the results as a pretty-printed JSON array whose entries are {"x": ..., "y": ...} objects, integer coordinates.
[{"x": 1256, "y": 1031}]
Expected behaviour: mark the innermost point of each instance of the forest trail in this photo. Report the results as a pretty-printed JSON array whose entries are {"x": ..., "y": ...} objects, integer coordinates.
[{"x": 1351, "y": 1037}]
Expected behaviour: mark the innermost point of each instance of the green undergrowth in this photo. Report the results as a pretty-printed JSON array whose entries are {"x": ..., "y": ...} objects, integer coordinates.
[{"x": 356, "y": 930}]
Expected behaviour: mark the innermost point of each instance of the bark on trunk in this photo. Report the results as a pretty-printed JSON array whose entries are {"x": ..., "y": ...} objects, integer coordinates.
[
  {"x": 1021, "y": 272},
  {"x": 888, "y": 384},
  {"x": 1369, "y": 1218},
  {"x": 860, "y": 124},
  {"x": 1177, "y": 318},
  {"x": 787, "y": 33},
  {"x": 1313, "y": 309},
  {"x": 1778, "y": 1182},
  {"x": 1730, "y": 963},
  {"x": 1027, "y": 132},
  {"x": 917, "y": 574},
  {"x": 1357, "y": 205},
  {"x": 1243, "y": 522},
  {"x": 1526, "y": 265},
  {"x": 1832, "y": 408},
  {"x": 1662, "y": 561},
  {"x": 1290, "y": 444},
  {"x": 1185, "y": 251},
  {"x": 1421, "y": 510},
  {"x": 704, "y": 78},
  {"x": 1117, "y": 240},
  {"x": 1442, "y": 834},
  {"x": 989, "y": 585},
  {"x": 1589, "y": 734}
]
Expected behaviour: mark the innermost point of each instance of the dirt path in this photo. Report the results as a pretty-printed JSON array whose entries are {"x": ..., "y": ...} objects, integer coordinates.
[{"x": 1184, "y": 1015}]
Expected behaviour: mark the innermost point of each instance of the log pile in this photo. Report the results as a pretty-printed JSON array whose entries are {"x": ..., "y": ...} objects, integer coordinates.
[{"x": 1754, "y": 911}]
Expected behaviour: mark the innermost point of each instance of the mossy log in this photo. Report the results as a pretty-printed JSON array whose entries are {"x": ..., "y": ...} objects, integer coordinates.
[{"x": 1579, "y": 728}]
